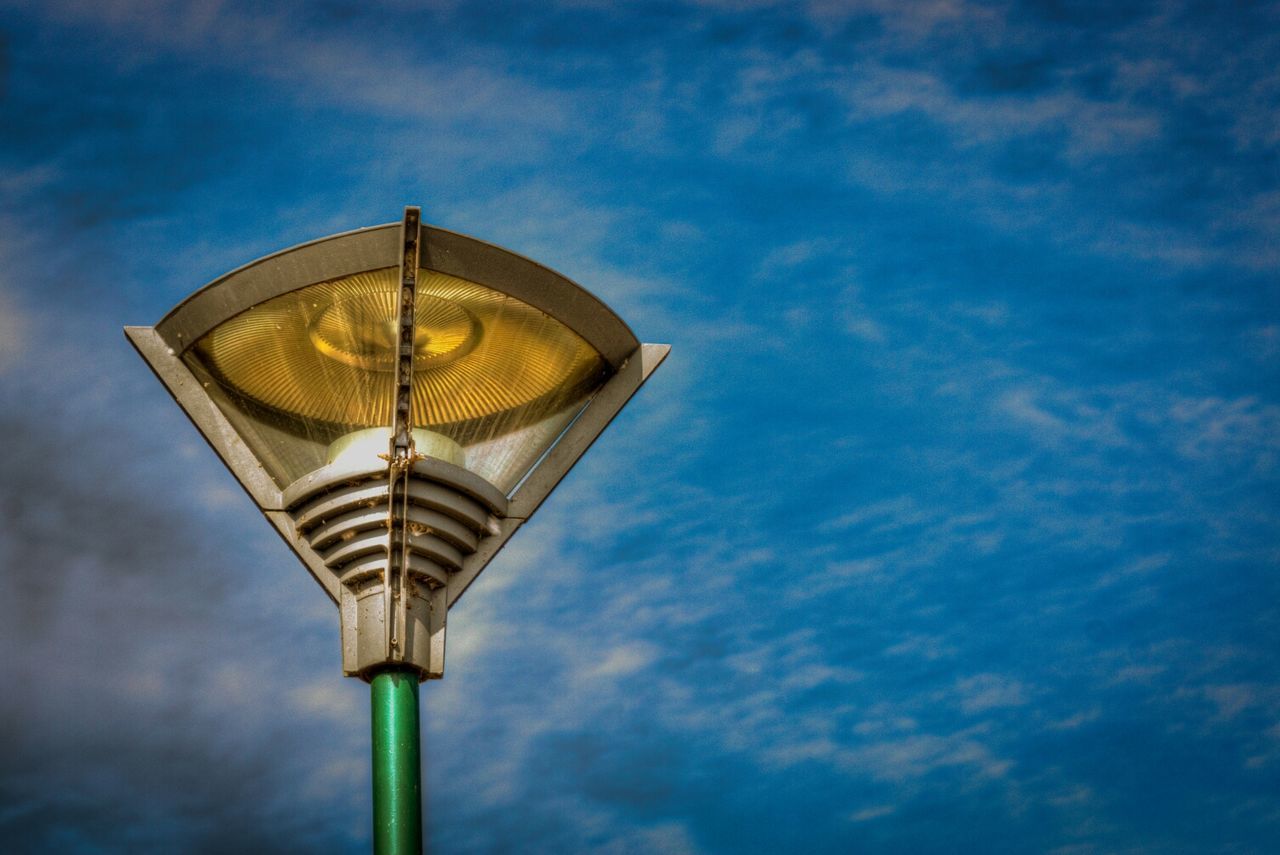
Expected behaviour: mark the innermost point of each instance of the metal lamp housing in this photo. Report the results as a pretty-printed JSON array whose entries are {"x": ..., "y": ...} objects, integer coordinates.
[{"x": 395, "y": 539}]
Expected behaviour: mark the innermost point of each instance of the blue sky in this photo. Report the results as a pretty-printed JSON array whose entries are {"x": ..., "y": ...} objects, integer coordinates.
[{"x": 950, "y": 525}]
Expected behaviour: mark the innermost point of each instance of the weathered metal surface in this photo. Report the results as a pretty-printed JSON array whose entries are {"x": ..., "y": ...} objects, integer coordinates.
[
  {"x": 401, "y": 454},
  {"x": 344, "y": 518}
]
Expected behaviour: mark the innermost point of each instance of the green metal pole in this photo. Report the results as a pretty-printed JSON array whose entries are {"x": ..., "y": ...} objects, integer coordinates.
[{"x": 397, "y": 782}]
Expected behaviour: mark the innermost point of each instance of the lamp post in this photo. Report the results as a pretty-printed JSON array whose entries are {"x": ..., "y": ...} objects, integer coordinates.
[{"x": 397, "y": 401}]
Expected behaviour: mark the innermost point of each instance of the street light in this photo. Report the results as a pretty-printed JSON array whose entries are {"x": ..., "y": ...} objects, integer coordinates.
[{"x": 398, "y": 401}]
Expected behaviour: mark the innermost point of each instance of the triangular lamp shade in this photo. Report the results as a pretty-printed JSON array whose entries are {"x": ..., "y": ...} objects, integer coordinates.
[{"x": 299, "y": 369}]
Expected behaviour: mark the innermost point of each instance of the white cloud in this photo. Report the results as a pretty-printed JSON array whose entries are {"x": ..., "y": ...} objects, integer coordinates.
[
  {"x": 667, "y": 838},
  {"x": 1230, "y": 700},
  {"x": 985, "y": 692},
  {"x": 622, "y": 661},
  {"x": 920, "y": 755},
  {"x": 1021, "y": 405},
  {"x": 1243, "y": 427},
  {"x": 1076, "y": 721},
  {"x": 333, "y": 67},
  {"x": 872, "y": 812},
  {"x": 1071, "y": 797},
  {"x": 899, "y": 511},
  {"x": 1054, "y": 412},
  {"x": 927, "y": 647}
]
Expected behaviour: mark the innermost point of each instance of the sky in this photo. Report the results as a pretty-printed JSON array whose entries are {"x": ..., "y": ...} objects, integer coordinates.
[{"x": 951, "y": 524}]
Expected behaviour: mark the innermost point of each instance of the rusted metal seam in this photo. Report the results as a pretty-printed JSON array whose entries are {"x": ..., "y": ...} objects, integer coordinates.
[{"x": 401, "y": 454}]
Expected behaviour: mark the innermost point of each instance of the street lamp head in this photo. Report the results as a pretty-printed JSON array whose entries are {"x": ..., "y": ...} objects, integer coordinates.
[{"x": 398, "y": 401}]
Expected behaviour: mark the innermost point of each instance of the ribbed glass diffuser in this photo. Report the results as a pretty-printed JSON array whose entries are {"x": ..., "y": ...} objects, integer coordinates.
[{"x": 492, "y": 376}]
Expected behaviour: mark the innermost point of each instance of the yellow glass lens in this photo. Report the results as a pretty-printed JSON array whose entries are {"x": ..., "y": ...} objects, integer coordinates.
[{"x": 485, "y": 363}]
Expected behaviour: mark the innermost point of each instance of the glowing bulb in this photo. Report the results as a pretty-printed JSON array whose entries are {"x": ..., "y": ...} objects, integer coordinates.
[{"x": 366, "y": 449}]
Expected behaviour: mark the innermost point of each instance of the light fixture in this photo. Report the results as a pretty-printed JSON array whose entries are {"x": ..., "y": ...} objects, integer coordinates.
[{"x": 397, "y": 401}]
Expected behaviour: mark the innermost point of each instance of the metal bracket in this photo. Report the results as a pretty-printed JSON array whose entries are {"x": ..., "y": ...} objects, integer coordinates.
[{"x": 401, "y": 455}]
